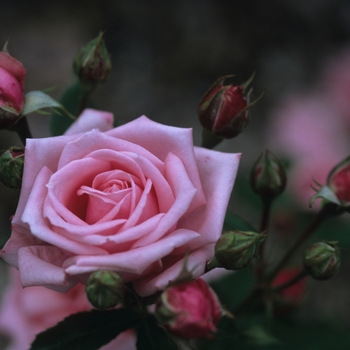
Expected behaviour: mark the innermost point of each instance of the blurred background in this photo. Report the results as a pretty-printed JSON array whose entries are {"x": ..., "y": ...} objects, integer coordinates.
[{"x": 165, "y": 55}]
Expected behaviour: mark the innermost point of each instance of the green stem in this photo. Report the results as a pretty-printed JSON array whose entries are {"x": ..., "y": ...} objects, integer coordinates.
[
  {"x": 209, "y": 140},
  {"x": 263, "y": 228},
  {"x": 326, "y": 211},
  {"x": 22, "y": 129}
]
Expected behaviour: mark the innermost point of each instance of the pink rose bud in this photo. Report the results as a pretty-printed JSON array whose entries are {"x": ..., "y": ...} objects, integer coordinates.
[
  {"x": 234, "y": 250},
  {"x": 11, "y": 167},
  {"x": 12, "y": 75},
  {"x": 105, "y": 289},
  {"x": 322, "y": 260},
  {"x": 223, "y": 109},
  {"x": 339, "y": 181},
  {"x": 268, "y": 177},
  {"x": 189, "y": 309},
  {"x": 92, "y": 63}
]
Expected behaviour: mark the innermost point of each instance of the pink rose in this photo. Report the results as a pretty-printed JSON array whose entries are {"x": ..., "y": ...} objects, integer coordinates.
[
  {"x": 27, "y": 312},
  {"x": 135, "y": 199},
  {"x": 12, "y": 75},
  {"x": 189, "y": 309}
]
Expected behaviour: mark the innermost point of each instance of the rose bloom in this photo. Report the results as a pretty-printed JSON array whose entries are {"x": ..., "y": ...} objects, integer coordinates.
[
  {"x": 12, "y": 75},
  {"x": 135, "y": 199},
  {"x": 27, "y": 312}
]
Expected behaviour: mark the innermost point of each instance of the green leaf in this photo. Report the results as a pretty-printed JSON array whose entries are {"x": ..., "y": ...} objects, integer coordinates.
[
  {"x": 35, "y": 100},
  {"x": 258, "y": 335},
  {"x": 151, "y": 336},
  {"x": 86, "y": 330}
]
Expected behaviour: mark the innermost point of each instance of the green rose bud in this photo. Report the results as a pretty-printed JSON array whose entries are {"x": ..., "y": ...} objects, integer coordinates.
[
  {"x": 268, "y": 178},
  {"x": 234, "y": 250},
  {"x": 92, "y": 63},
  {"x": 11, "y": 167},
  {"x": 105, "y": 289},
  {"x": 322, "y": 260}
]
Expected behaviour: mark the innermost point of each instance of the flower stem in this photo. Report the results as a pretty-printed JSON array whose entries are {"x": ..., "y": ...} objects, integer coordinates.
[
  {"x": 327, "y": 210},
  {"x": 22, "y": 129},
  {"x": 263, "y": 228}
]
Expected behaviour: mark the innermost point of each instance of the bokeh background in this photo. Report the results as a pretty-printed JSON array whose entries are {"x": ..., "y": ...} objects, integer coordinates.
[{"x": 165, "y": 54}]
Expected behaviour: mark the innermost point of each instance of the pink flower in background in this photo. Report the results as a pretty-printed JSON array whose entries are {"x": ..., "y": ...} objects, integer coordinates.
[
  {"x": 306, "y": 130},
  {"x": 27, "y": 312},
  {"x": 134, "y": 199}
]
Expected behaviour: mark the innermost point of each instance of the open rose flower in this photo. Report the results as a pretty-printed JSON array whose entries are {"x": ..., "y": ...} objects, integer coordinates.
[
  {"x": 12, "y": 75},
  {"x": 27, "y": 312},
  {"x": 136, "y": 199}
]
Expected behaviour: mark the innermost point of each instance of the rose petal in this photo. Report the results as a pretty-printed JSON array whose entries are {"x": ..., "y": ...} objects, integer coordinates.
[
  {"x": 40, "y": 266},
  {"x": 132, "y": 261},
  {"x": 160, "y": 140},
  {"x": 91, "y": 119}
]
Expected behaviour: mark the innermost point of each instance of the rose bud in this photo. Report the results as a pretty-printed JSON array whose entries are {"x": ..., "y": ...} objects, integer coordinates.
[
  {"x": 105, "y": 289},
  {"x": 339, "y": 181},
  {"x": 223, "y": 109},
  {"x": 11, "y": 167},
  {"x": 322, "y": 260},
  {"x": 189, "y": 309},
  {"x": 12, "y": 75},
  {"x": 92, "y": 63},
  {"x": 234, "y": 250},
  {"x": 268, "y": 178}
]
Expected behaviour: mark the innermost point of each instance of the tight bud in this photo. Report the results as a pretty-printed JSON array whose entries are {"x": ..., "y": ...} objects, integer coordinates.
[
  {"x": 339, "y": 181},
  {"x": 224, "y": 109},
  {"x": 11, "y": 167},
  {"x": 234, "y": 250},
  {"x": 189, "y": 309},
  {"x": 92, "y": 63},
  {"x": 104, "y": 289},
  {"x": 268, "y": 178},
  {"x": 12, "y": 74},
  {"x": 322, "y": 260}
]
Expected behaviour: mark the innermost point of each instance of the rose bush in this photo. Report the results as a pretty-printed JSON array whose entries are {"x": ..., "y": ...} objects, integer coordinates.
[
  {"x": 12, "y": 74},
  {"x": 27, "y": 312},
  {"x": 135, "y": 199}
]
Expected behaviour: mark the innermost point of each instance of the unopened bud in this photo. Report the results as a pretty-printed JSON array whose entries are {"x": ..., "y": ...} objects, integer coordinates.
[
  {"x": 92, "y": 63},
  {"x": 189, "y": 309},
  {"x": 322, "y": 260},
  {"x": 12, "y": 74},
  {"x": 224, "y": 109},
  {"x": 11, "y": 167},
  {"x": 105, "y": 289},
  {"x": 268, "y": 177},
  {"x": 339, "y": 181},
  {"x": 234, "y": 250}
]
